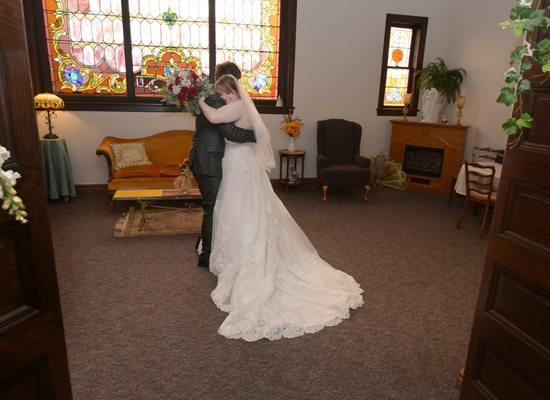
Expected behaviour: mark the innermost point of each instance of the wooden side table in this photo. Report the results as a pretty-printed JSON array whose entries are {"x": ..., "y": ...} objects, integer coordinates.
[
  {"x": 289, "y": 156},
  {"x": 58, "y": 173}
]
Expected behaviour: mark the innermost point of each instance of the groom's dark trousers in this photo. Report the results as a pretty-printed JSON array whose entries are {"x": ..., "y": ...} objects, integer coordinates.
[{"x": 205, "y": 161}]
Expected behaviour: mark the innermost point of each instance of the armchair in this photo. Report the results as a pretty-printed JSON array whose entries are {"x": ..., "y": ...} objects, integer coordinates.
[{"x": 338, "y": 160}]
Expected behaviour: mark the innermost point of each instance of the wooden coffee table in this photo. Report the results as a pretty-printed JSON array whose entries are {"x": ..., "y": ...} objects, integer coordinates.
[{"x": 147, "y": 197}]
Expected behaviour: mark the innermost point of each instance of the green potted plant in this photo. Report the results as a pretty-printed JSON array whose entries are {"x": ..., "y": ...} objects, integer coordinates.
[{"x": 439, "y": 84}]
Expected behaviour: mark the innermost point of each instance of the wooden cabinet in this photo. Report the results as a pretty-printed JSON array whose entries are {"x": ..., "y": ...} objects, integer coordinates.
[{"x": 429, "y": 153}]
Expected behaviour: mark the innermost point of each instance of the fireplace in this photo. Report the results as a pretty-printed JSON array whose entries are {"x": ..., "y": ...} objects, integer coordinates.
[
  {"x": 431, "y": 153},
  {"x": 424, "y": 161}
]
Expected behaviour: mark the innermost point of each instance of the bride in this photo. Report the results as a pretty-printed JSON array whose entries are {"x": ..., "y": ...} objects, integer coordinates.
[{"x": 271, "y": 280}]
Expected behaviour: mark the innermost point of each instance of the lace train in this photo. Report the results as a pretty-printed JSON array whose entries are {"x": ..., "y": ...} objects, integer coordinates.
[{"x": 271, "y": 279}]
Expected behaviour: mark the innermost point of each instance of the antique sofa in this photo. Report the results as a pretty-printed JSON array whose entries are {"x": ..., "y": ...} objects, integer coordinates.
[{"x": 165, "y": 150}]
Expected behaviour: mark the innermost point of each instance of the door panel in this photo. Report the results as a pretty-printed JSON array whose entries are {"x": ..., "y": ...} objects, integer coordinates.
[
  {"x": 509, "y": 352},
  {"x": 33, "y": 358}
]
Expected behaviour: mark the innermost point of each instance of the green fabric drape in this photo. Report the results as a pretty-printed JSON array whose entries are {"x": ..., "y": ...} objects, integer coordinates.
[{"x": 58, "y": 173}]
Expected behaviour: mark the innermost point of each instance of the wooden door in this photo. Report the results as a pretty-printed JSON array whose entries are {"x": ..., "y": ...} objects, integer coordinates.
[
  {"x": 33, "y": 357},
  {"x": 509, "y": 352}
]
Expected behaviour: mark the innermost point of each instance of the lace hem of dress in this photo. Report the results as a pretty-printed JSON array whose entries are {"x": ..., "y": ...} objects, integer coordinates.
[{"x": 249, "y": 333}]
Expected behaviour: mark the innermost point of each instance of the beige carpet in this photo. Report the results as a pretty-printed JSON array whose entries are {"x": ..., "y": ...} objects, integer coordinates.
[{"x": 159, "y": 222}]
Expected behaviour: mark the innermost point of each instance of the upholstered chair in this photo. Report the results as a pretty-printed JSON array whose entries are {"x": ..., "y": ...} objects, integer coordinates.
[{"x": 338, "y": 160}]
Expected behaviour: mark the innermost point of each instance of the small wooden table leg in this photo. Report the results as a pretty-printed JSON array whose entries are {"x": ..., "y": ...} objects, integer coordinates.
[
  {"x": 367, "y": 190},
  {"x": 303, "y": 162},
  {"x": 142, "y": 206},
  {"x": 281, "y": 168},
  {"x": 287, "y": 172},
  {"x": 325, "y": 188}
]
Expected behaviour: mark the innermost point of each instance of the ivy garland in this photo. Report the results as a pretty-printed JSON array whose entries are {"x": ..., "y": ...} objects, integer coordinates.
[{"x": 524, "y": 19}]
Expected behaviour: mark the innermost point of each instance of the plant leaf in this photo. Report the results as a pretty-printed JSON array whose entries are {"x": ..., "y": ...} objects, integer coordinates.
[
  {"x": 518, "y": 53},
  {"x": 546, "y": 67},
  {"x": 544, "y": 46},
  {"x": 507, "y": 96},
  {"x": 526, "y": 65},
  {"x": 512, "y": 76},
  {"x": 510, "y": 126},
  {"x": 518, "y": 28},
  {"x": 525, "y": 3},
  {"x": 519, "y": 12},
  {"x": 525, "y": 121},
  {"x": 524, "y": 85}
]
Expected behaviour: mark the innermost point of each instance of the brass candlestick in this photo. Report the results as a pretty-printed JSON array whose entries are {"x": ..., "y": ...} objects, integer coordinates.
[
  {"x": 406, "y": 101},
  {"x": 460, "y": 103}
]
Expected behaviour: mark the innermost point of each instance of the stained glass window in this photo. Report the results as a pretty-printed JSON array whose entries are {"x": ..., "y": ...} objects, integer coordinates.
[
  {"x": 247, "y": 33},
  {"x": 85, "y": 46},
  {"x": 86, "y": 43},
  {"x": 403, "y": 55},
  {"x": 397, "y": 78},
  {"x": 166, "y": 34}
]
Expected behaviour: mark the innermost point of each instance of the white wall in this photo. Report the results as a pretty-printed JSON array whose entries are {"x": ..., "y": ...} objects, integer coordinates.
[
  {"x": 337, "y": 75},
  {"x": 483, "y": 49}
]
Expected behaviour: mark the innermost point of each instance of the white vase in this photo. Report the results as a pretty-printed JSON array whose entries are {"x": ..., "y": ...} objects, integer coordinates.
[
  {"x": 432, "y": 105},
  {"x": 291, "y": 145}
]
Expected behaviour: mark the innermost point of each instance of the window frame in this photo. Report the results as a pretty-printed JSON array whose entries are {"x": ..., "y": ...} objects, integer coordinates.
[
  {"x": 419, "y": 25},
  {"x": 41, "y": 75}
]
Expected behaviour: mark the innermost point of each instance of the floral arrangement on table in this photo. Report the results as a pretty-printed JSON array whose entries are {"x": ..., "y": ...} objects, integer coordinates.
[
  {"x": 293, "y": 128},
  {"x": 185, "y": 180},
  {"x": 184, "y": 87},
  {"x": 8, "y": 194}
]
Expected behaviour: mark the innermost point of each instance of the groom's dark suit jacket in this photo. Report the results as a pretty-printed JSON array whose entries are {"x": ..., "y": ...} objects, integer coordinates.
[
  {"x": 205, "y": 161},
  {"x": 206, "y": 154}
]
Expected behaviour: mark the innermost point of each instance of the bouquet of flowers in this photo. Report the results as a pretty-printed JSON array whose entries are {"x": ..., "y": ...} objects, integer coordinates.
[
  {"x": 292, "y": 126},
  {"x": 184, "y": 88},
  {"x": 8, "y": 194}
]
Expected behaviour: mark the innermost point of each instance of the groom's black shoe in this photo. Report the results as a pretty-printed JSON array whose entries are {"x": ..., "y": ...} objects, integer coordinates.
[{"x": 204, "y": 260}]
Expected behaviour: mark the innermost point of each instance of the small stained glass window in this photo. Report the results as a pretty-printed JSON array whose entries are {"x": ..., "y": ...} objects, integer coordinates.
[
  {"x": 397, "y": 79},
  {"x": 403, "y": 53}
]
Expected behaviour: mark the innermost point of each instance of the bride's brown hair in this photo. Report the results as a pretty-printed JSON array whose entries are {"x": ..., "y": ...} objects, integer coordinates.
[{"x": 227, "y": 83}]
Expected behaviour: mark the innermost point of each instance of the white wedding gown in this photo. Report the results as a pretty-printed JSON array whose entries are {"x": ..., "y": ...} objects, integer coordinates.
[{"x": 271, "y": 280}]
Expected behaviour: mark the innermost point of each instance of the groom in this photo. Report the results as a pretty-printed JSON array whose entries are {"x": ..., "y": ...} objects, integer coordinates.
[{"x": 205, "y": 158}]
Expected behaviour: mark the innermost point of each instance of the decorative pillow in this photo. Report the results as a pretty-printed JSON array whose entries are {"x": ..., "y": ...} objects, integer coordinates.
[{"x": 130, "y": 154}]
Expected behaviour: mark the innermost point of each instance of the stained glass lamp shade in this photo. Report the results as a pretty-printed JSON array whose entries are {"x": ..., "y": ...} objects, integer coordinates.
[{"x": 48, "y": 102}]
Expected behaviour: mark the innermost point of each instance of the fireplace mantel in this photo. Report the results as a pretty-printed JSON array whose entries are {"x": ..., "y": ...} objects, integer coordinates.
[{"x": 449, "y": 138}]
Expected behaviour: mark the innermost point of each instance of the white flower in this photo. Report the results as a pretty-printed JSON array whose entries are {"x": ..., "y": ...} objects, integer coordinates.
[
  {"x": 4, "y": 155},
  {"x": 11, "y": 177},
  {"x": 8, "y": 179},
  {"x": 176, "y": 89}
]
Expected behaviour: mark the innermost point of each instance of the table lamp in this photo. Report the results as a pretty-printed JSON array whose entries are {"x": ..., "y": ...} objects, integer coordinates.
[{"x": 48, "y": 102}]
